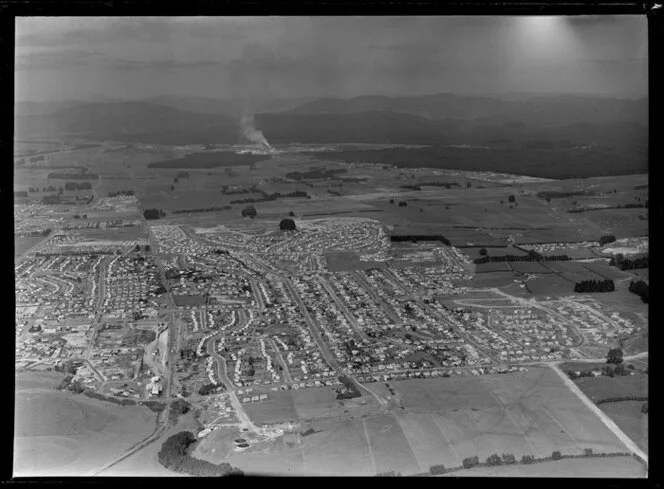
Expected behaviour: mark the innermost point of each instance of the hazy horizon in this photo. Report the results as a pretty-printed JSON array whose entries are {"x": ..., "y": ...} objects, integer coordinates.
[{"x": 247, "y": 58}]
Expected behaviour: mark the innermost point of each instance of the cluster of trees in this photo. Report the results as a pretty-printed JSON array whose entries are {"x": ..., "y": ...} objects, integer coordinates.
[
  {"x": 145, "y": 248},
  {"x": 606, "y": 239},
  {"x": 20, "y": 194},
  {"x": 270, "y": 197},
  {"x": 249, "y": 211},
  {"x": 178, "y": 408},
  {"x": 318, "y": 174},
  {"x": 153, "y": 213},
  {"x": 531, "y": 256},
  {"x": 203, "y": 209},
  {"x": 114, "y": 400},
  {"x": 207, "y": 389},
  {"x": 154, "y": 406},
  {"x": 639, "y": 288},
  {"x": 470, "y": 462},
  {"x": 595, "y": 286},
  {"x": 629, "y": 264},
  {"x": 173, "y": 455},
  {"x": 71, "y": 384},
  {"x": 51, "y": 199},
  {"x": 403, "y": 203},
  {"x": 287, "y": 225},
  {"x": 50, "y": 188},
  {"x": 419, "y": 237},
  {"x": 120, "y": 192},
  {"x": 78, "y": 186},
  {"x": 350, "y": 390}
]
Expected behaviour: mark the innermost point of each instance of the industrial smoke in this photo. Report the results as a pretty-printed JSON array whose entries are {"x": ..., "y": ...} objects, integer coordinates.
[{"x": 251, "y": 133}]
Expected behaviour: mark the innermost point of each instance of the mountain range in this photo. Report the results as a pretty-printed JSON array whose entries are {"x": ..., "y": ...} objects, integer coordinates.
[{"x": 539, "y": 121}]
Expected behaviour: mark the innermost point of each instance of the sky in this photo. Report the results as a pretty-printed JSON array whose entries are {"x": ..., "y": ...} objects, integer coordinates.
[{"x": 99, "y": 58}]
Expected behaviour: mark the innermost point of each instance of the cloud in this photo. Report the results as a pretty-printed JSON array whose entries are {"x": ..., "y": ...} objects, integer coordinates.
[
  {"x": 55, "y": 60},
  {"x": 104, "y": 31},
  {"x": 164, "y": 64}
]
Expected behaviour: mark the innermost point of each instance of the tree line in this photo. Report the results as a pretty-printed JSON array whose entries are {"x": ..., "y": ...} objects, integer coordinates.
[
  {"x": 638, "y": 205},
  {"x": 595, "y": 286},
  {"x": 629, "y": 264},
  {"x": 203, "y": 209},
  {"x": 120, "y": 192},
  {"x": 73, "y": 176},
  {"x": 153, "y": 213},
  {"x": 350, "y": 390},
  {"x": 531, "y": 256},
  {"x": 316, "y": 174},
  {"x": 509, "y": 459},
  {"x": 78, "y": 186},
  {"x": 420, "y": 237},
  {"x": 639, "y": 288},
  {"x": 271, "y": 197}
]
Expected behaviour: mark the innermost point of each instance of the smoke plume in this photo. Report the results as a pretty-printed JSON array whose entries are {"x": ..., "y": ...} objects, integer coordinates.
[{"x": 250, "y": 131}]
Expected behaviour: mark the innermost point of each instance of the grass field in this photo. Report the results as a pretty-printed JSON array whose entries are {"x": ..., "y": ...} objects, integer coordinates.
[
  {"x": 630, "y": 419},
  {"x": 21, "y": 245},
  {"x": 492, "y": 267},
  {"x": 61, "y": 434},
  {"x": 529, "y": 267},
  {"x": 493, "y": 279},
  {"x": 598, "y": 388},
  {"x": 549, "y": 285},
  {"x": 445, "y": 421},
  {"x": 278, "y": 408}
]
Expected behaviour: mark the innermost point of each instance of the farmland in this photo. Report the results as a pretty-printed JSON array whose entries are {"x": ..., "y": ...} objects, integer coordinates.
[
  {"x": 445, "y": 421},
  {"x": 366, "y": 340}
]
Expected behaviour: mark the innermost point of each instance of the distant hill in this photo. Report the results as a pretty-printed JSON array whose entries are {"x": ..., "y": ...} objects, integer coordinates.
[
  {"x": 231, "y": 108},
  {"x": 542, "y": 122},
  {"x": 132, "y": 121},
  {"x": 537, "y": 110}
]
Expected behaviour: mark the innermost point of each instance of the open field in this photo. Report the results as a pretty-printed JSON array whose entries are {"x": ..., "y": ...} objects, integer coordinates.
[
  {"x": 630, "y": 419},
  {"x": 21, "y": 245},
  {"x": 598, "y": 388},
  {"x": 444, "y": 421},
  {"x": 549, "y": 285},
  {"x": 493, "y": 279},
  {"x": 61, "y": 434},
  {"x": 608, "y": 467},
  {"x": 344, "y": 261}
]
